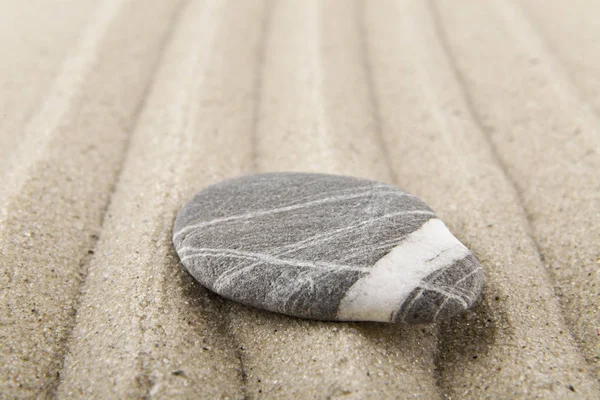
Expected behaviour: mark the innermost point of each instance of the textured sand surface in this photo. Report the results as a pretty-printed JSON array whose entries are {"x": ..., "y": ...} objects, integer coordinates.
[{"x": 113, "y": 113}]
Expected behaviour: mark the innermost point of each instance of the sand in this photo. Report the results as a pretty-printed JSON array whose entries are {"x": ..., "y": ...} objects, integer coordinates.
[{"x": 115, "y": 113}]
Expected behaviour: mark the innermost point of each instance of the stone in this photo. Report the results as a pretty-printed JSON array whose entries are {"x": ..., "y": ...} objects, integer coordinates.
[{"x": 326, "y": 247}]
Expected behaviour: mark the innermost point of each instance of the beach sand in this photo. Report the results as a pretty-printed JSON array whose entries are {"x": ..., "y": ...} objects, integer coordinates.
[{"x": 113, "y": 113}]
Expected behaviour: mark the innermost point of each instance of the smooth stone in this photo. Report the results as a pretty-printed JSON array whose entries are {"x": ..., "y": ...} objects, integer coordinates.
[{"x": 326, "y": 247}]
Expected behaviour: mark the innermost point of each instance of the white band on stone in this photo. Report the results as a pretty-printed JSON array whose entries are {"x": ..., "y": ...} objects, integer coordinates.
[{"x": 381, "y": 293}]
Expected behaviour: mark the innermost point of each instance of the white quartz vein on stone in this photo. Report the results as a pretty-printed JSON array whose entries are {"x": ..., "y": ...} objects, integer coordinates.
[
  {"x": 380, "y": 294},
  {"x": 318, "y": 239},
  {"x": 259, "y": 213},
  {"x": 190, "y": 252},
  {"x": 375, "y": 188},
  {"x": 453, "y": 288}
]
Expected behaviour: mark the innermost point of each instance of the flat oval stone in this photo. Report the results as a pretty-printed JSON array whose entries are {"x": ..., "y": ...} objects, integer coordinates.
[{"x": 326, "y": 247}]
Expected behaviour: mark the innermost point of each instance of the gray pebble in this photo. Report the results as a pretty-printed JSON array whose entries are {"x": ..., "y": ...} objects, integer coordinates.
[{"x": 326, "y": 247}]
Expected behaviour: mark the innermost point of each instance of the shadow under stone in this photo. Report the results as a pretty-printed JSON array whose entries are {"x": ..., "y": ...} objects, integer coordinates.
[{"x": 466, "y": 339}]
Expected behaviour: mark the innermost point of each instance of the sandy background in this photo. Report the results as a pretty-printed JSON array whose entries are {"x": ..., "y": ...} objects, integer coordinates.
[{"x": 113, "y": 113}]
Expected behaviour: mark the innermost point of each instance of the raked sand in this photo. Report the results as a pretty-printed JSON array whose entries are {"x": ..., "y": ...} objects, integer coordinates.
[{"x": 113, "y": 113}]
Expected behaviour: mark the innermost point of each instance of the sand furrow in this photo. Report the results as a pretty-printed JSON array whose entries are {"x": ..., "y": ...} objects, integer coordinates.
[
  {"x": 37, "y": 40},
  {"x": 547, "y": 135},
  {"x": 145, "y": 328},
  {"x": 57, "y": 186},
  {"x": 442, "y": 155}
]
